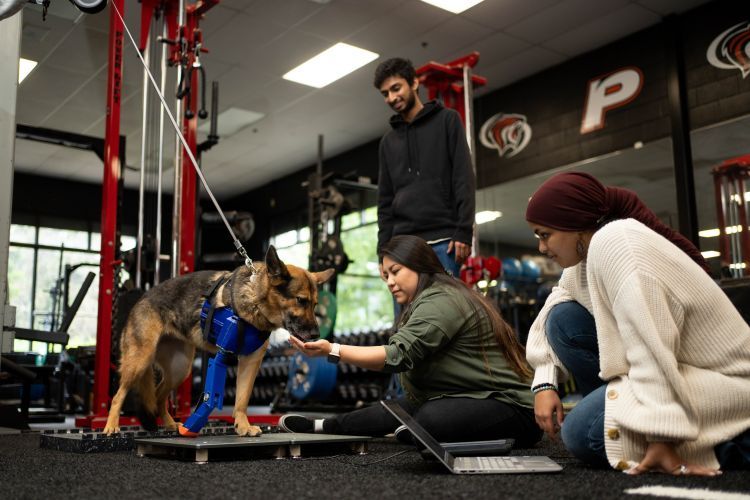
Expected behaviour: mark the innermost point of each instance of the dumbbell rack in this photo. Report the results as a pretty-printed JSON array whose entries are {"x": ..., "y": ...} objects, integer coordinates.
[
  {"x": 269, "y": 383},
  {"x": 354, "y": 386}
]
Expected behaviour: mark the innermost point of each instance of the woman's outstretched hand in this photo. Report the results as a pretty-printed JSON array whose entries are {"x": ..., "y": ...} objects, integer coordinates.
[
  {"x": 548, "y": 412},
  {"x": 318, "y": 348},
  {"x": 662, "y": 457}
]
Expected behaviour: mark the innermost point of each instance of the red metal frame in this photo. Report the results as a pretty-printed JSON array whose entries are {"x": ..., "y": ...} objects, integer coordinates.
[
  {"x": 102, "y": 361},
  {"x": 732, "y": 172},
  {"x": 107, "y": 264},
  {"x": 192, "y": 36},
  {"x": 446, "y": 81}
]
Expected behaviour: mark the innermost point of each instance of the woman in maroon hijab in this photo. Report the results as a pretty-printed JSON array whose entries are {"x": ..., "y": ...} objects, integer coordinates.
[{"x": 659, "y": 353}]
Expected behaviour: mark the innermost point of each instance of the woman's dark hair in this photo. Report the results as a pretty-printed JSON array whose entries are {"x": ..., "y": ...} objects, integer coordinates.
[
  {"x": 394, "y": 67},
  {"x": 414, "y": 253}
]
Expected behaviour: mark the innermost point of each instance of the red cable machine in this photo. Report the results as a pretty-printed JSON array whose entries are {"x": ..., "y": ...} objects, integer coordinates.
[
  {"x": 185, "y": 39},
  {"x": 442, "y": 81}
]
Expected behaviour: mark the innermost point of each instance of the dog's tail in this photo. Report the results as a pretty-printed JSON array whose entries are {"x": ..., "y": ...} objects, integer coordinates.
[{"x": 146, "y": 409}]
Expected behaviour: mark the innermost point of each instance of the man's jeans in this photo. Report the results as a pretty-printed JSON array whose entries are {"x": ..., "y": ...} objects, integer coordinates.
[{"x": 448, "y": 260}]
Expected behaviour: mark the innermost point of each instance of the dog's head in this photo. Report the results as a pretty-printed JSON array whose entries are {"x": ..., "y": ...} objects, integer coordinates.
[{"x": 286, "y": 296}]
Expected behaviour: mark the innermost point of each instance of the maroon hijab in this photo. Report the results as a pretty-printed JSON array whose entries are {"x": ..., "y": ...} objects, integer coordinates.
[{"x": 576, "y": 201}]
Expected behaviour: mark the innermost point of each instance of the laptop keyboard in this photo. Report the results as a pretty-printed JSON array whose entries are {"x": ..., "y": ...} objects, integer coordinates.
[{"x": 492, "y": 463}]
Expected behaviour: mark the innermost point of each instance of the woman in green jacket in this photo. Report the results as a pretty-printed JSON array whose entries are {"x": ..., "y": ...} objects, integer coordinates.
[{"x": 462, "y": 368}]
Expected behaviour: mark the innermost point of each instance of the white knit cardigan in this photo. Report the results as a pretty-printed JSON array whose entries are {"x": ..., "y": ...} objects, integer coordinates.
[{"x": 674, "y": 350}]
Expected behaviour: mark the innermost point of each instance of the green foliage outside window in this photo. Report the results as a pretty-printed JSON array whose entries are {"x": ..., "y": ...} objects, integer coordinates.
[
  {"x": 49, "y": 250},
  {"x": 363, "y": 300}
]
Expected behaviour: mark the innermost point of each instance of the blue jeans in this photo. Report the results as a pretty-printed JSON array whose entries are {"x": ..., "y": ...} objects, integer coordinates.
[
  {"x": 571, "y": 332},
  {"x": 448, "y": 260}
]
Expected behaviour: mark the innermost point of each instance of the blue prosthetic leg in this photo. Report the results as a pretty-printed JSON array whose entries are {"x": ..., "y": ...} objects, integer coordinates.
[{"x": 226, "y": 329}]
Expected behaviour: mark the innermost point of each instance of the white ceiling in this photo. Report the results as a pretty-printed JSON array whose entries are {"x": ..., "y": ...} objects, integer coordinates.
[{"x": 253, "y": 43}]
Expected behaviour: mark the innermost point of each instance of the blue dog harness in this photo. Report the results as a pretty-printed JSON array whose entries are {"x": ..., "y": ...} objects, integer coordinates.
[
  {"x": 233, "y": 336},
  {"x": 229, "y": 332}
]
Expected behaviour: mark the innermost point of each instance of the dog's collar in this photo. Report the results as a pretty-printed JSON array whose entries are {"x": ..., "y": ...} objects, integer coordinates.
[{"x": 228, "y": 280}]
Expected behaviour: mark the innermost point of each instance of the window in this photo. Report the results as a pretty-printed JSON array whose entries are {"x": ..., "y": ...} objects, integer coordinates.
[
  {"x": 20, "y": 284},
  {"x": 293, "y": 247},
  {"x": 38, "y": 259},
  {"x": 363, "y": 301}
]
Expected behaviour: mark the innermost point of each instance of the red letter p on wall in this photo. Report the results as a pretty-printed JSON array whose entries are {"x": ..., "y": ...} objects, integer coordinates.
[{"x": 607, "y": 92}]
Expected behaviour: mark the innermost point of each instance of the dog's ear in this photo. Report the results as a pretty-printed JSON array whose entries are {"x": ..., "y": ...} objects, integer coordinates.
[
  {"x": 323, "y": 276},
  {"x": 274, "y": 265}
]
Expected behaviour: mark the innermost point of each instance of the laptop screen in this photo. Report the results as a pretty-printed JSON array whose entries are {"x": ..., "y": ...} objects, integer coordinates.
[{"x": 419, "y": 432}]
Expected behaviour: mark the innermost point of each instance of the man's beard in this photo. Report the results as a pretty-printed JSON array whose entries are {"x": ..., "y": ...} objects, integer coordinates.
[{"x": 410, "y": 102}]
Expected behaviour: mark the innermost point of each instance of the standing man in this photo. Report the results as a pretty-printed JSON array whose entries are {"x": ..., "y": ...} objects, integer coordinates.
[{"x": 426, "y": 183}]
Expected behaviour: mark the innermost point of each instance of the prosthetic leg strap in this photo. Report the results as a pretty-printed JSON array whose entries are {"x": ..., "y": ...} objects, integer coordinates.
[{"x": 210, "y": 291}]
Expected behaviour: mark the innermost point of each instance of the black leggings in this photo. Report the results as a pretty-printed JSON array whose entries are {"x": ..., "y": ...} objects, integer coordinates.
[{"x": 448, "y": 419}]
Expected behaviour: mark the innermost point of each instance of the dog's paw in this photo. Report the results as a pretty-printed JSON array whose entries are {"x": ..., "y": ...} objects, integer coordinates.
[
  {"x": 247, "y": 429},
  {"x": 169, "y": 423},
  {"x": 109, "y": 430}
]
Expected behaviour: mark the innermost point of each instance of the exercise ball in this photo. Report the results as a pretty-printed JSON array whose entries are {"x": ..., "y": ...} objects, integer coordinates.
[
  {"x": 512, "y": 269},
  {"x": 530, "y": 269}
]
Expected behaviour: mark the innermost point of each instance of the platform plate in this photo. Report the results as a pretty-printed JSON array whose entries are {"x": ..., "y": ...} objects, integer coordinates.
[
  {"x": 277, "y": 445},
  {"x": 91, "y": 441}
]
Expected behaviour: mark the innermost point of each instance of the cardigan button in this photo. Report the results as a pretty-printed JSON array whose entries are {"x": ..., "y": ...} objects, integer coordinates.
[
  {"x": 612, "y": 394},
  {"x": 613, "y": 434}
]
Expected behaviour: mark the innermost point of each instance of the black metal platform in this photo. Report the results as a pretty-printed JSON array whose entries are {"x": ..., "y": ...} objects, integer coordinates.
[
  {"x": 273, "y": 445},
  {"x": 89, "y": 441}
]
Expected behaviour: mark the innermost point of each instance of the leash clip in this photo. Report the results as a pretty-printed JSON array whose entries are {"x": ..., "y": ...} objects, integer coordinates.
[{"x": 243, "y": 253}]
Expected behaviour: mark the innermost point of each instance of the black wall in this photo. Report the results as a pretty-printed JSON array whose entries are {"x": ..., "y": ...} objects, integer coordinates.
[
  {"x": 714, "y": 95},
  {"x": 553, "y": 101},
  {"x": 65, "y": 204}
]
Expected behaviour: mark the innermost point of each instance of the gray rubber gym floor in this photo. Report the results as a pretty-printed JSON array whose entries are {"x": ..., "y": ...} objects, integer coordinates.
[{"x": 389, "y": 470}]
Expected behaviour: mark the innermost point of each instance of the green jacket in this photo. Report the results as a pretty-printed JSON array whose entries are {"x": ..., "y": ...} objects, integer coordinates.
[{"x": 445, "y": 349}]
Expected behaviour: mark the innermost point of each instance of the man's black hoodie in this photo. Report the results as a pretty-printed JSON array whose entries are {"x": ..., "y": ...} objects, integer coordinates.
[{"x": 426, "y": 183}]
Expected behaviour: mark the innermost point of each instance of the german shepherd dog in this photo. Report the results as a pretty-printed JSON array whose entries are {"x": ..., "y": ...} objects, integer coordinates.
[{"x": 163, "y": 330}]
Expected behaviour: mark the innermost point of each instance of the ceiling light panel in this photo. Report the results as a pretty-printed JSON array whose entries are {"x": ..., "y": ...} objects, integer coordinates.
[
  {"x": 454, "y": 6},
  {"x": 24, "y": 68},
  {"x": 330, "y": 65}
]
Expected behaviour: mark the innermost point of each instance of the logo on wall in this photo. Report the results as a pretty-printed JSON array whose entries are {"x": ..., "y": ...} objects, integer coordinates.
[
  {"x": 607, "y": 92},
  {"x": 731, "y": 49},
  {"x": 508, "y": 133}
]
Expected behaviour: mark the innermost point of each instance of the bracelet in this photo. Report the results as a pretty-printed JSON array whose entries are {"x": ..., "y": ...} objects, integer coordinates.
[{"x": 543, "y": 387}]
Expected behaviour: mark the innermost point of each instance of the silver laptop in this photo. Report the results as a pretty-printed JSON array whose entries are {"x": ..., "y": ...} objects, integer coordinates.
[{"x": 471, "y": 465}]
